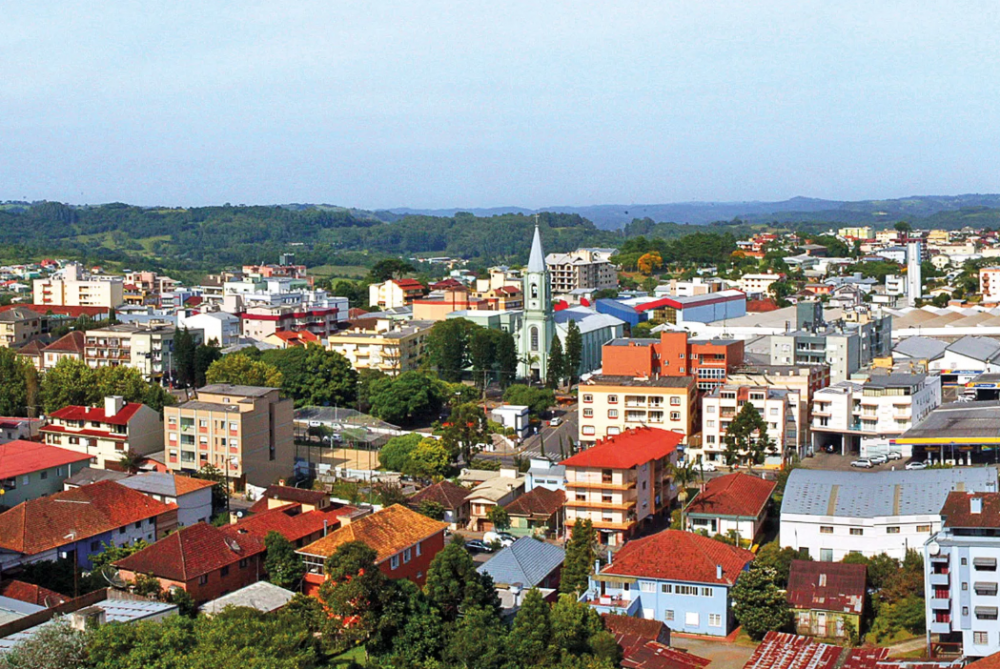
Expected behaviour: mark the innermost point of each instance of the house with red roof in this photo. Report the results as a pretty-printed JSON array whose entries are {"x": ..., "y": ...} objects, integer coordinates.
[
  {"x": 69, "y": 346},
  {"x": 292, "y": 338},
  {"x": 192, "y": 496},
  {"x": 106, "y": 433},
  {"x": 451, "y": 497},
  {"x": 29, "y": 470},
  {"x": 621, "y": 482},
  {"x": 76, "y": 523},
  {"x": 680, "y": 578},
  {"x": 204, "y": 561},
  {"x": 736, "y": 502},
  {"x": 395, "y": 293},
  {"x": 31, "y": 594},
  {"x": 538, "y": 512},
  {"x": 18, "y": 427},
  {"x": 826, "y": 598}
]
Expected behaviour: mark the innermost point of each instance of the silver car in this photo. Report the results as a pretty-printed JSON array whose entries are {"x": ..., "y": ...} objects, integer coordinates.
[{"x": 864, "y": 464}]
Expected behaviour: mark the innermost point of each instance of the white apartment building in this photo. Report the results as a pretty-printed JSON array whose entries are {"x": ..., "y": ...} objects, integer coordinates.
[
  {"x": 696, "y": 286},
  {"x": 869, "y": 415},
  {"x": 989, "y": 283},
  {"x": 960, "y": 574},
  {"x": 721, "y": 407},
  {"x": 581, "y": 269},
  {"x": 829, "y": 514},
  {"x": 72, "y": 287},
  {"x": 220, "y": 326},
  {"x": 758, "y": 283}
]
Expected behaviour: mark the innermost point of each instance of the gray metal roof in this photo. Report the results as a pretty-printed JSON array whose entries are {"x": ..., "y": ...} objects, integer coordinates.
[
  {"x": 536, "y": 259},
  {"x": 895, "y": 380},
  {"x": 921, "y": 347},
  {"x": 959, "y": 420},
  {"x": 813, "y": 492},
  {"x": 242, "y": 391},
  {"x": 527, "y": 561},
  {"x": 261, "y": 595},
  {"x": 89, "y": 475},
  {"x": 152, "y": 483},
  {"x": 977, "y": 348}
]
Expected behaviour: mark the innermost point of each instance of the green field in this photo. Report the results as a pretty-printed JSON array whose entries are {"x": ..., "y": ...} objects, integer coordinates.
[{"x": 339, "y": 271}]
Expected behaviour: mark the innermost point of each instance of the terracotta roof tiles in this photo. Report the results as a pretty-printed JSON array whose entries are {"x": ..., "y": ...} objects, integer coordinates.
[
  {"x": 191, "y": 552},
  {"x": 388, "y": 531},
  {"x": 538, "y": 503},
  {"x": 72, "y": 342},
  {"x": 736, "y": 494},
  {"x": 628, "y": 449},
  {"x": 673, "y": 555},
  {"x": 449, "y": 495},
  {"x": 31, "y": 593}
]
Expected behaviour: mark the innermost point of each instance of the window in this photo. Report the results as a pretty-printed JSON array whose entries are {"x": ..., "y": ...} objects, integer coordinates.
[
  {"x": 612, "y": 413},
  {"x": 588, "y": 399},
  {"x": 927, "y": 528},
  {"x": 668, "y": 616},
  {"x": 581, "y": 497},
  {"x": 675, "y": 401},
  {"x": 25, "y": 480},
  {"x": 980, "y": 638},
  {"x": 692, "y": 619},
  {"x": 825, "y": 529},
  {"x": 965, "y": 561},
  {"x": 243, "y": 563},
  {"x": 965, "y": 587},
  {"x": 95, "y": 546},
  {"x": 202, "y": 423},
  {"x": 965, "y": 610},
  {"x": 710, "y": 409},
  {"x": 710, "y": 439},
  {"x": 43, "y": 475},
  {"x": 418, "y": 549},
  {"x": 224, "y": 571},
  {"x": 686, "y": 590},
  {"x": 588, "y": 430},
  {"x": 825, "y": 554},
  {"x": 665, "y": 588},
  {"x": 533, "y": 330},
  {"x": 121, "y": 530},
  {"x": 588, "y": 413},
  {"x": 714, "y": 620},
  {"x": 394, "y": 562},
  {"x": 138, "y": 525},
  {"x": 709, "y": 423},
  {"x": 647, "y": 586},
  {"x": 857, "y": 531},
  {"x": 892, "y": 530},
  {"x": 706, "y": 592},
  {"x": 612, "y": 399},
  {"x": 407, "y": 553},
  {"x": 675, "y": 415},
  {"x": 203, "y": 580}
]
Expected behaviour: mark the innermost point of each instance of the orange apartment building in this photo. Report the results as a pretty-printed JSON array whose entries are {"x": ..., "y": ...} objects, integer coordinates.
[
  {"x": 673, "y": 354},
  {"x": 244, "y": 431},
  {"x": 621, "y": 483},
  {"x": 459, "y": 298},
  {"x": 611, "y": 405}
]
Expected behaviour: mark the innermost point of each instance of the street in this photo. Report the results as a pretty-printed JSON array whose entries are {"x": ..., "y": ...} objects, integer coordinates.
[{"x": 550, "y": 437}]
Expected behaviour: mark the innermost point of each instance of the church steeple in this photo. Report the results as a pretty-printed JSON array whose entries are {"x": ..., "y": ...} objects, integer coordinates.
[
  {"x": 536, "y": 261},
  {"x": 538, "y": 326}
]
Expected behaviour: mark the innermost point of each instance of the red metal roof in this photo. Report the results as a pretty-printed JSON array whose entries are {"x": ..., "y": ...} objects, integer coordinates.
[
  {"x": 694, "y": 301},
  {"x": 779, "y": 650},
  {"x": 20, "y": 457},
  {"x": 629, "y": 449},
  {"x": 96, "y": 414},
  {"x": 826, "y": 586},
  {"x": 653, "y": 655},
  {"x": 42, "y": 524},
  {"x": 191, "y": 552},
  {"x": 735, "y": 494},
  {"x": 673, "y": 555}
]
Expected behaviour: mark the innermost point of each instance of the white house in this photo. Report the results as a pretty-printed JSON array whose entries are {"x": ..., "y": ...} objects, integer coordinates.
[
  {"x": 220, "y": 326},
  {"x": 193, "y": 497},
  {"x": 829, "y": 514}
]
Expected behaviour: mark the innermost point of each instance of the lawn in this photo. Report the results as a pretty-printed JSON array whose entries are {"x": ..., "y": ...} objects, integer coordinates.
[
  {"x": 353, "y": 655},
  {"x": 339, "y": 271}
]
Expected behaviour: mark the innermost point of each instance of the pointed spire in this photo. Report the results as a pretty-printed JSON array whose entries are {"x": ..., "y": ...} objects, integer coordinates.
[{"x": 536, "y": 261}]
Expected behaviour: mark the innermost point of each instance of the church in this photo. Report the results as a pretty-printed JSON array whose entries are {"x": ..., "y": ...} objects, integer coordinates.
[{"x": 540, "y": 322}]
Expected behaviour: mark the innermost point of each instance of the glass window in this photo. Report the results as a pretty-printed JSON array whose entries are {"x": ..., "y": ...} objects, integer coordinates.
[
  {"x": 612, "y": 399},
  {"x": 612, "y": 413},
  {"x": 588, "y": 413},
  {"x": 407, "y": 553},
  {"x": 665, "y": 588},
  {"x": 588, "y": 398},
  {"x": 710, "y": 408},
  {"x": 668, "y": 615},
  {"x": 826, "y": 529},
  {"x": 224, "y": 571},
  {"x": 714, "y": 620},
  {"x": 980, "y": 638},
  {"x": 706, "y": 592},
  {"x": 692, "y": 619},
  {"x": 675, "y": 401},
  {"x": 675, "y": 415},
  {"x": 926, "y": 528},
  {"x": 533, "y": 331},
  {"x": 857, "y": 531},
  {"x": 892, "y": 530},
  {"x": 647, "y": 586},
  {"x": 394, "y": 562}
]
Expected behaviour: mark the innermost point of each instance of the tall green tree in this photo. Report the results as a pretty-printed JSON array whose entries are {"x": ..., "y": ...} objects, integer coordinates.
[
  {"x": 453, "y": 584},
  {"x": 240, "y": 369},
  {"x": 506, "y": 357},
  {"x": 448, "y": 348},
  {"x": 390, "y": 268},
  {"x": 184, "y": 357},
  {"x": 354, "y": 591},
  {"x": 759, "y": 605},
  {"x": 499, "y": 517},
  {"x": 538, "y": 400},
  {"x": 408, "y": 399},
  {"x": 314, "y": 376},
  {"x": 557, "y": 365},
  {"x": 19, "y": 385},
  {"x": 70, "y": 382},
  {"x": 482, "y": 356},
  {"x": 366, "y": 380},
  {"x": 746, "y": 437},
  {"x": 467, "y": 429},
  {"x": 395, "y": 455},
  {"x": 282, "y": 564},
  {"x": 580, "y": 558},
  {"x": 574, "y": 353},
  {"x": 531, "y": 633},
  {"x": 204, "y": 356},
  {"x": 429, "y": 459}
]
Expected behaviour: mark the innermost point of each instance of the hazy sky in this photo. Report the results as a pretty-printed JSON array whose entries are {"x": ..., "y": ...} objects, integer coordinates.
[{"x": 436, "y": 104}]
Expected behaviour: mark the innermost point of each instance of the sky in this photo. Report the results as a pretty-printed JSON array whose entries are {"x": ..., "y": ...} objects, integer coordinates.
[{"x": 431, "y": 104}]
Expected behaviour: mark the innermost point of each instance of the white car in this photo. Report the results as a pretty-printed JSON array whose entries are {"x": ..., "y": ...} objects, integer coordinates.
[
  {"x": 916, "y": 465},
  {"x": 555, "y": 421},
  {"x": 706, "y": 466},
  {"x": 894, "y": 455},
  {"x": 879, "y": 460},
  {"x": 865, "y": 464}
]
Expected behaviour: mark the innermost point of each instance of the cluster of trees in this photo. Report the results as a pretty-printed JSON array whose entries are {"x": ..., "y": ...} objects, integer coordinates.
[
  {"x": 697, "y": 247},
  {"x": 71, "y": 381},
  {"x": 456, "y": 344},
  {"x": 565, "y": 364},
  {"x": 191, "y": 360},
  {"x": 415, "y": 455}
]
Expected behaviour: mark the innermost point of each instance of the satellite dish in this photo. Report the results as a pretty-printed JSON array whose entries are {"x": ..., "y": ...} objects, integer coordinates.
[
  {"x": 933, "y": 548},
  {"x": 110, "y": 574}
]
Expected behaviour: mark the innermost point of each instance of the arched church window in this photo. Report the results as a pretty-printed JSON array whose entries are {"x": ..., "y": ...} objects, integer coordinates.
[
  {"x": 534, "y": 338},
  {"x": 534, "y": 291}
]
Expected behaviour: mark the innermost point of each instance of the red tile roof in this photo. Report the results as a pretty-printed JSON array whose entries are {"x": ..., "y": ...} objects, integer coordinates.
[
  {"x": 779, "y": 650},
  {"x": 956, "y": 510},
  {"x": 653, "y": 655},
  {"x": 32, "y": 348},
  {"x": 737, "y": 494},
  {"x": 69, "y": 343},
  {"x": 673, "y": 555},
  {"x": 72, "y": 312},
  {"x": 42, "y": 524},
  {"x": 287, "y": 493},
  {"x": 23, "y": 457},
  {"x": 538, "y": 503},
  {"x": 291, "y": 522},
  {"x": 988, "y": 662},
  {"x": 826, "y": 586},
  {"x": 96, "y": 414},
  {"x": 636, "y": 631},
  {"x": 449, "y": 495},
  {"x": 31, "y": 593},
  {"x": 296, "y": 336},
  {"x": 409, "y": 283},
  {"x": 388, "y": 531},
  {"x": 191, "y": 552},
  {"x": 629, "y": 449},
  {"x": 185, "y": 484}
]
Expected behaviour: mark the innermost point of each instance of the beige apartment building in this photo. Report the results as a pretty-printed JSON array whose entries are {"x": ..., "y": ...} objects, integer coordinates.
[
  {"x": 381, "y": 344},
  {"x": 621, "y": 482},
  {"x": 106, "y": 433},
  {"x": 72, "y": 287},
  {"x": 581, "y": 269},
  {"x": 147, "y": 347},
  {"x": 395, "y": 293},
  {"x": 18, "y": 326},
  {"x": 610, "y": 405},
  {"x": 244, "y": 431},
  {"x": 720, "y": 408}
]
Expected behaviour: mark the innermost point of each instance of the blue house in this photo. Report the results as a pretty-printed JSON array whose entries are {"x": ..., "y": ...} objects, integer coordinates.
[{"x": 679, "y": 578}]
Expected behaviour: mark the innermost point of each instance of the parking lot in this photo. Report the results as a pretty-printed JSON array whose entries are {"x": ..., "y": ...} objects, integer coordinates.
[{"x": 837, "y": 462}]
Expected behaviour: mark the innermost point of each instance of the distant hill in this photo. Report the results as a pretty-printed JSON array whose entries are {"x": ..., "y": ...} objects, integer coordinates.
[{"x": 797, "y": 209}]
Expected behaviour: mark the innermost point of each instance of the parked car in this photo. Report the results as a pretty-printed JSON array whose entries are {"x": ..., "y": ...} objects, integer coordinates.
[
  {"x": 504, "y": 538},
  {"x": 830, "y": 448},
  {"x": 706, "y": 466},
  {"x": 864, "y": 463},
  {"x": 894, "y": 455},
  {"x": 478, "y": 546},
  {"x": 879, "y": 460},
  {"x": 916, "y": 465},
  {"x": 555, "y": 421}
]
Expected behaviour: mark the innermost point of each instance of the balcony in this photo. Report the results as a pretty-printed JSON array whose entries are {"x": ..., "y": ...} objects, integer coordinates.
[
  {"x": 939, "y": 603},
  {"x": 940, "y": 579},
  {"x": 936, "y": 627},
  {"x": 597, "y": 485},
  {"x": 612, "y": 605},
  {"x": 600, "y": 505}
]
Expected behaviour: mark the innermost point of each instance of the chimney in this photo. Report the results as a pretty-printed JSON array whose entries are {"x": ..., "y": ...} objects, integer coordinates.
[
  {"x": 718, "y": 572},
  {"x": 976, "y": 505},
  {"x": 112, "y": 405},
  {"x": 325, "y": 529},
  {"x": 87, "y": 618}
]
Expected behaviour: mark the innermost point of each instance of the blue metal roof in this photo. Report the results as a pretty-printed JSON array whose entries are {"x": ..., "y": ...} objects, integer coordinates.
[{"x": 527, "y": 561}]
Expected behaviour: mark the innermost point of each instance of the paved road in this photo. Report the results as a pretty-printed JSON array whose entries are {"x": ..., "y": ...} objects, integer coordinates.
[{"x": 550, "y": 436}]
